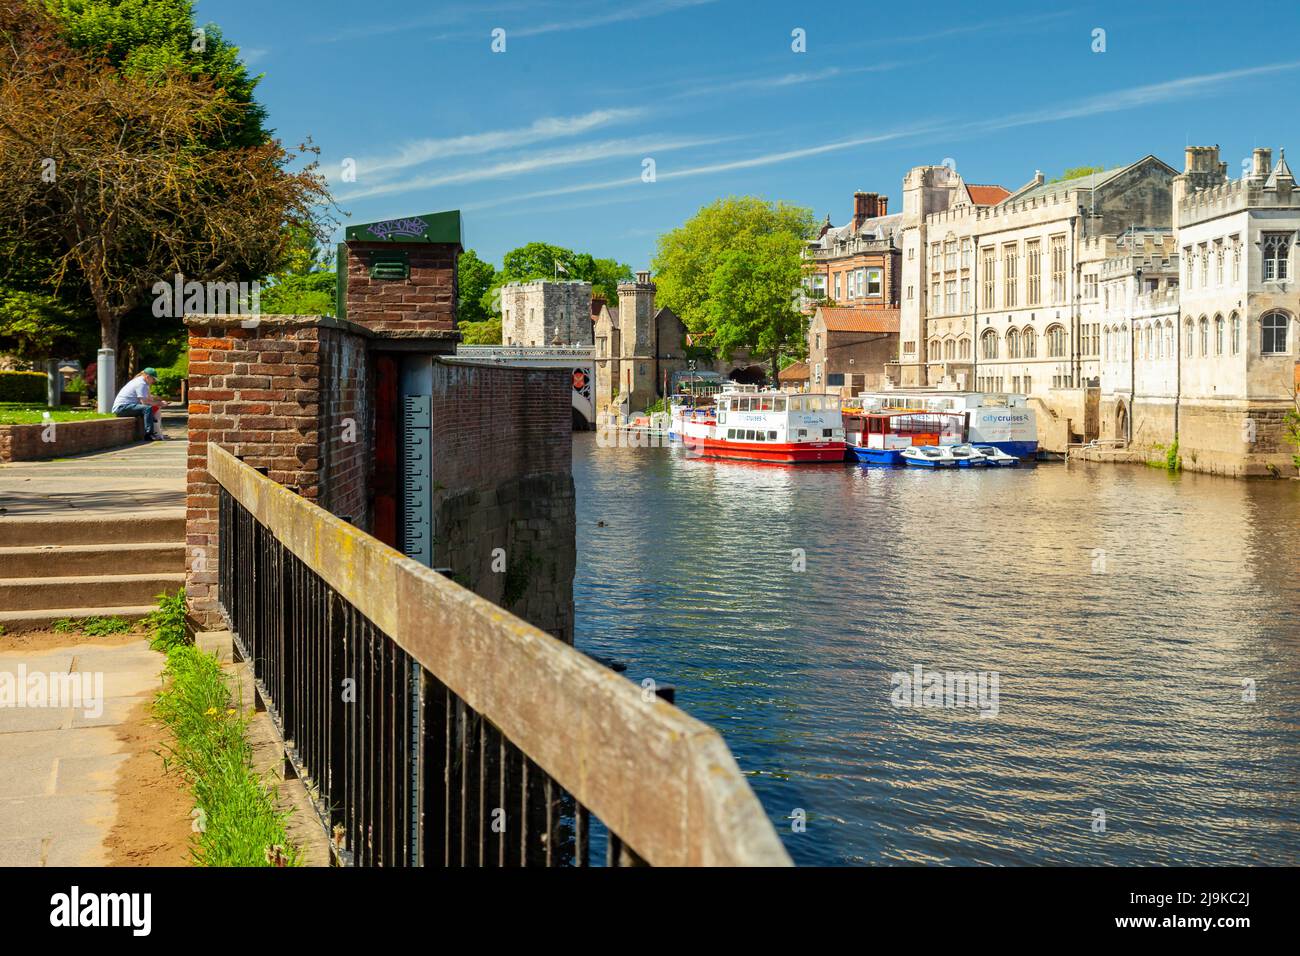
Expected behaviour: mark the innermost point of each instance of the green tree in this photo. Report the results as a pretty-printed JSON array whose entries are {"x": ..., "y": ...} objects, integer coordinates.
[
  {"x": 486, "y": 332},
  {"x": 732, "y": 273},
  {"x": 158, "y": 38},
  {"x": 127, "y": 189},
  {"x": 294, "y": 294},
  {"x": 1077, "y": 172},
  {"x": 475, "y": 278},
  {"x": 539, "y": 260}
]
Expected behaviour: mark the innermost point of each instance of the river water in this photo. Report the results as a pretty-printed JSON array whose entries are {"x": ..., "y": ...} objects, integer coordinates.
[{"x": 1128, "y": 617}]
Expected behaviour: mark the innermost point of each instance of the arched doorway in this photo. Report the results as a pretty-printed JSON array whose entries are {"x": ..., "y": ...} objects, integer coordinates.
[{"x": 749, "y": 375}]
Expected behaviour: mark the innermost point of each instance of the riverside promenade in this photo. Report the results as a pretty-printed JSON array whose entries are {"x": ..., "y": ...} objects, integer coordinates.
[{"x": 77, "y": 775}]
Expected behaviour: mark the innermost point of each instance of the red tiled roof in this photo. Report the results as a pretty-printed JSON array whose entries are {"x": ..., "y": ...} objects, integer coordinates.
[
  {"x": 794, "y": 372},
  {"x": 859, "y": 320},
  {"x": 987, "y": 195}
]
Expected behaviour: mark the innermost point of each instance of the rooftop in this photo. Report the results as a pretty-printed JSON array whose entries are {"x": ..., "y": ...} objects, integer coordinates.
[{"x": 843, "y": 319}]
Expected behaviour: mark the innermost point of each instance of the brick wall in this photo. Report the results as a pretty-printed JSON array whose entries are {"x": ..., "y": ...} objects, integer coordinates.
[
  {"x": 425, "y": 302},
  {"x": 54, "y": 440},
  {"x": 275, "y": 395},
  {"x": 502, "y": 445},
  {"x": 347, "y": 426}
]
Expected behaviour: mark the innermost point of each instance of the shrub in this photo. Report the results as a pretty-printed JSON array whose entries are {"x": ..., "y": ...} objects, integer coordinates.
[
  {"x": 167, "y": 624},
  {"x": 24, "y": 387}
]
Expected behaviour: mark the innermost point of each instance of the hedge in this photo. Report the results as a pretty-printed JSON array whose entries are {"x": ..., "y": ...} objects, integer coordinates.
[{"x": 24, "y": 387}]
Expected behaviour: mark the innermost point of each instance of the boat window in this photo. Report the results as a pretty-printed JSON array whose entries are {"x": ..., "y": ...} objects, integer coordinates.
[
  {"x": 803, "y": 433},
  {"x": 731, "y": 433},
  {"x": 796, "y": 403},
  {"x": 771, "y": 436},
  {"x": 764, "y": 404},
  {"x": 749, "y": 435},
  {"x": 826, "y": 433},
  {"x": 780, "y": 404}
]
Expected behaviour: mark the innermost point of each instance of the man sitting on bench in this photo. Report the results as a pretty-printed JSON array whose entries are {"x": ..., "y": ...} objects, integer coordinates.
[{"x": 134, "y": 399}]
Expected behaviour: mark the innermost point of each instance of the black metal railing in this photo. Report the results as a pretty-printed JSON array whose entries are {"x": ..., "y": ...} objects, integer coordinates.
[{"x": 401, "y": 771}]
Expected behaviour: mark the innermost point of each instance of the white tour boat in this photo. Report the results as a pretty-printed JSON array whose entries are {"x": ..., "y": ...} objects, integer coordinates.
[{"x": 769, "y": 425}]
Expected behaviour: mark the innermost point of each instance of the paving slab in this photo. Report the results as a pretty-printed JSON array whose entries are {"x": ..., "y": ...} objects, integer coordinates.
[
  {"x": 144, "y": 476},
  {"x": 59, "y": 765}
]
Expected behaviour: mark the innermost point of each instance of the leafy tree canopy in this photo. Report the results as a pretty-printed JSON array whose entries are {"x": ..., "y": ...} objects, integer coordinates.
[
  {"x": 311, "y": 293},
  {"x": 475, "y": 278},
  {"x": 732, "y": 273},
  {"x": 487, "y": 332},
  {"x": 157, "y": 38},
  {"x": 538, "y": 260},
  {"x": 1077, "y": 172}
]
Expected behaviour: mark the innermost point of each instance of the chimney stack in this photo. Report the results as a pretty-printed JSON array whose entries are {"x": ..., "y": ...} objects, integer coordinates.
[
  {"x": 1262, "y": 163},
  {"x": 866, "y": 206}
]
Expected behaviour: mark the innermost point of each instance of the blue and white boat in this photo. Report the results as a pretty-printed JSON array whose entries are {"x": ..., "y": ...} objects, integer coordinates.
[
  {"x": 967, "y": 457},
  {"x": 881, "y": 437},
  {"x": 928, "y": 456},
  {"x": 996, "y": 457},
  {"x": 1004, "y": 421}
]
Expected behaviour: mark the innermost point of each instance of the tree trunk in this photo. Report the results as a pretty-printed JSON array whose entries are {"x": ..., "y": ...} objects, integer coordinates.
[{"x": 776, "y": 370}]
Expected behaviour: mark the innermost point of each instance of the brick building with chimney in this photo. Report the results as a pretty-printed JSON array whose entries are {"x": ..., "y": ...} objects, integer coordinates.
[{"x": 856, "y": 264}]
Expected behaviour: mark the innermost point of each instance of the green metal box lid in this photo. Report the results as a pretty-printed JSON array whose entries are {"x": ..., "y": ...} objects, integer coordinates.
[{"x": 430, "y": 227}]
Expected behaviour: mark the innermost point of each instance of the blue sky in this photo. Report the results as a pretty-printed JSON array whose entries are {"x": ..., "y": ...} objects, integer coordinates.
[{"x": 547, "y": 140}]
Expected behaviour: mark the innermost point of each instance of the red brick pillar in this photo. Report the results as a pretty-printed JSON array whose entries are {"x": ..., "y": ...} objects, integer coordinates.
[{"x": 256, "y": 391}]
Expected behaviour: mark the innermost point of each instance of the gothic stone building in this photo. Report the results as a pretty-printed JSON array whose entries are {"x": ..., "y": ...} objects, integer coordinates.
[
  {"x": 1215, "y": 364},
  {"x": 992, "y": 283},
  {"x": 637, "y": 349}
]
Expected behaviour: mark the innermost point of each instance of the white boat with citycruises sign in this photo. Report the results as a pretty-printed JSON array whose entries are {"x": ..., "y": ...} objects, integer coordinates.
[{"x": 773, "y": 426}]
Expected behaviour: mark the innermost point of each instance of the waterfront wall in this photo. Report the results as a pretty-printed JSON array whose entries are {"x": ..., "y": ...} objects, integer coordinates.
[
  {"x": 504, "y": 504},
  {"x": 1239, "y": 439},
  {"x": 296, "y": 396}
]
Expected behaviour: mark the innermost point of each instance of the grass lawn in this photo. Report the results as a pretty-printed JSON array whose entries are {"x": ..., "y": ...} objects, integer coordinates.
[{"x": 18, "y": 413}]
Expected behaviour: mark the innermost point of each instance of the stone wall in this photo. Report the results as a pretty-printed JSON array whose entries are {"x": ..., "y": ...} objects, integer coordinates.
[
  {"x": 503, "y": 504},
  {"x": 57, "y": 439},
  {"x": 1237, "y": 439},
  {"x": 538, "y": 314}
]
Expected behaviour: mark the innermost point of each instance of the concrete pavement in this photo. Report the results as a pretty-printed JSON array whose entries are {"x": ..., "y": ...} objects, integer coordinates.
[
  {"x": 60, "y": 755},
  {"x": 145, "y": 476}
]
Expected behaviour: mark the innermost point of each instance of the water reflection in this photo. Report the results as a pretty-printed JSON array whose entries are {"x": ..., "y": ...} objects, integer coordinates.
[{"x": 1122, "y": 609}]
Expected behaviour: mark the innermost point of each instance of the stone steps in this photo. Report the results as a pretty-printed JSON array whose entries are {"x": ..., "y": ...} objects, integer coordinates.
[
  {"x": 44, "y": 619},
  {"x": 90, "y": 590},
  {"x": 88, "y": 565},
  {"x": 39, "y": 561},
  {"x": 136, "y": 528}
]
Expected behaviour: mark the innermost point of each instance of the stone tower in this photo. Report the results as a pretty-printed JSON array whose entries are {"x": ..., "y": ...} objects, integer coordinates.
[
  {"x": 1201, "y": 170},
  {"x": 543, "y": 313},
  {"x": 636, "y": 321}
]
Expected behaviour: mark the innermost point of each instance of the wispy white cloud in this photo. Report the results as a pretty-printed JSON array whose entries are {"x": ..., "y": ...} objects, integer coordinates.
[
  {"x": 420, "y": 151},
  {"x": 253, "y": 54},
  {"x": 505, "y": 14},
  {"x": 779, "y": 81},
  {"x": 1136, "y": 97},
  {"x": 1132, "y": 98},
  {"x": 748, "y": 162},
  {"x": 530, "y": 162},
  {"x": 632, "y": 11}
]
